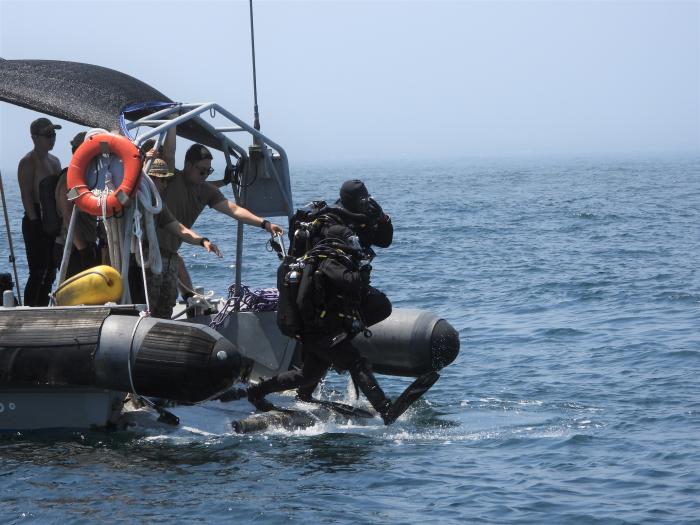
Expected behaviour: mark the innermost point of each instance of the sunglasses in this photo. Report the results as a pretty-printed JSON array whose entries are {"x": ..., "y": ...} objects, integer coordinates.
[
  {"x": 51, "y": 135},
  {"x": 206, "y": 171}
]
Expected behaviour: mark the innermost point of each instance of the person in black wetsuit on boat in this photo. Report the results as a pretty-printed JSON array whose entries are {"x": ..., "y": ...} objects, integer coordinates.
[
  {"x": 335, "y": 302},
  {"x": 84, "y": 253},
  {"x": 37, "y": 174}
]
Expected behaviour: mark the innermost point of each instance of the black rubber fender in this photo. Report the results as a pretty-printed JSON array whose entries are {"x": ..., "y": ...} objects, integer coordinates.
[{"x": 410, "y": 342}]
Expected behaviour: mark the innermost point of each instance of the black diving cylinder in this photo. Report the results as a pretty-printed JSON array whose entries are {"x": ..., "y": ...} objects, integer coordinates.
[
  {"x": 409, "y": 342},
  {"x": 113, "y": 348},
  {"x": 288, "y": 278}
]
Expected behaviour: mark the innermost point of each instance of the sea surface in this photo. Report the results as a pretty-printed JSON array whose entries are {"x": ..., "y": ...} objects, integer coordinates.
[{"x": 574, "y": 286}]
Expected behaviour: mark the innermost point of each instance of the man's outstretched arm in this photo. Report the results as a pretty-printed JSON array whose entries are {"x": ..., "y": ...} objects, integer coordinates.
[{"x": 246, "y": 216}]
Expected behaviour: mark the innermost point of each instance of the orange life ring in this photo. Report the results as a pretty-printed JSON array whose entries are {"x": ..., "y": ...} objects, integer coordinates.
[{"x": 78, "y": 191}]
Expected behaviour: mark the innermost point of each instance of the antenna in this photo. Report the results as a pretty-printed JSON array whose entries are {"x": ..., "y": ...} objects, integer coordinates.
[{"x": 256, "y": 115}]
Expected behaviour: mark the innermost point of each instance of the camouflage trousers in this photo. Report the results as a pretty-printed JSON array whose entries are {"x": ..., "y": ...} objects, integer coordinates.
[{"x": 162, "y": 288}]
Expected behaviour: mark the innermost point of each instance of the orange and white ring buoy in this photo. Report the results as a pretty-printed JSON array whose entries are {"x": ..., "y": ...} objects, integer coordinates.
[{"x": 95, "y": 145}]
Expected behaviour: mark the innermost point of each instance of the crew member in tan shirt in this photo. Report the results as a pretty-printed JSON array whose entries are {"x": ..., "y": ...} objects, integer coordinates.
[{"x": 187, "y": 195}]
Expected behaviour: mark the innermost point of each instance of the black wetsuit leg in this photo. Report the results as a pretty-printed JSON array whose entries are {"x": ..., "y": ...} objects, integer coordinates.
[
  {"x": 306, "y": 392},
  {"x": 42, "y": 270},
  {"x": 319, "y": 356},
  {"x": 138, "y": 295},
  {"x": 311, "y": 373},
  {"x": 79, "y": 261},
  {"x": 341, "y": 356},
  {"x": 87, "y": 258},
  {"x": 74, "y": 266},
  {"x": 375, "y": 307}
]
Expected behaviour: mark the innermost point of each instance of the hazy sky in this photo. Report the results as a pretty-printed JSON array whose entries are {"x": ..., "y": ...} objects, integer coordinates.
[{"x": 403, "y": 79}]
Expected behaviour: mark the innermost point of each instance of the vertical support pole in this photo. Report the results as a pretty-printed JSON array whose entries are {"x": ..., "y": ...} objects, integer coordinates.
[
  {"x": 68, "y": 247},
  {"x": 242, "y": 198},
  {"x": 126, "y": 249},
  {"x": 9, "y": 240}
]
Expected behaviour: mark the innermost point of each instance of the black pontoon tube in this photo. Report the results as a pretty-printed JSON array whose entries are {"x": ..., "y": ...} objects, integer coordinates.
[
  {"x": 409, "y": 343},
  {"x": 115, "y": 349}
]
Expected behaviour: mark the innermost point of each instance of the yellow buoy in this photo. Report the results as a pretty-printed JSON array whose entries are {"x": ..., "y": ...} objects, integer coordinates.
[{"x": 98, "y": 285}]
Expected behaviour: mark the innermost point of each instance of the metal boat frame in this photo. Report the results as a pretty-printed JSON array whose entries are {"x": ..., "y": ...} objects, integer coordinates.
[{"x": 267, "y": 158}]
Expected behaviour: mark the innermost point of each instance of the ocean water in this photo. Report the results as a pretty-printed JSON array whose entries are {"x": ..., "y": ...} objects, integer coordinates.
[{"x": 575, "y": 397}]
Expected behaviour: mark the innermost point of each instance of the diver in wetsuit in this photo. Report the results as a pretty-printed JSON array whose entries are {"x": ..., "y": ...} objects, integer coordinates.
[
  {"x": 378, "y": 231},
  {"x": 335, "y": 302}
]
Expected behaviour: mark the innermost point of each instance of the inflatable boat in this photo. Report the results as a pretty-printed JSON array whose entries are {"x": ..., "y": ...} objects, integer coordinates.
[{"x": 72, "y": 364}]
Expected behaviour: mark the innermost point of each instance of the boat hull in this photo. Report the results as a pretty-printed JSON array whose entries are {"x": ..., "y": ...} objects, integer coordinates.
[{"x": 42, "y": 408}]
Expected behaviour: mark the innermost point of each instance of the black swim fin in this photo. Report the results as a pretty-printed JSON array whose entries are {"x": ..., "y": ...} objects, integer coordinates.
[
  {"x": 342, "y": 408},
  {"x": 233, "y": 394},
  {"x": 412, "y": 394}
]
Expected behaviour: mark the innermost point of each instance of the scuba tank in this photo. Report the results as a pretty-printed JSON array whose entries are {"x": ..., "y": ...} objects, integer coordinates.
[
  {"x": 290, "y": 272},
  {"x": 319, "y": 280},
  {"x": 288, "y": 279}
]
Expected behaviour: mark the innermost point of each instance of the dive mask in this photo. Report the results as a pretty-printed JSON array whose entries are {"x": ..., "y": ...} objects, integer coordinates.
[{"x": 370, "y": 207}]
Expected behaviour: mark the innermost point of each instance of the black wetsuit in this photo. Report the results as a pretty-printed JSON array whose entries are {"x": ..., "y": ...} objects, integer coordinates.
[
  {"x": 375, "y": 307},
  {"x": 42, "y": 267},
  {"x": 87, "y": 227},
  {"x": 320, "y": 351}
]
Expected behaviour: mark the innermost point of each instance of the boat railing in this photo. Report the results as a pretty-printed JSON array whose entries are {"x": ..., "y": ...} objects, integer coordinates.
[
  {"x": 276, "y": 164},
  {"x": 272, "y": 194},
  {"x": 262, "y": 184}
]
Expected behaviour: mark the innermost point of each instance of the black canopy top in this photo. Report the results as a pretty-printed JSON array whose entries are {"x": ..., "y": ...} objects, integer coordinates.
[{"x": 89, "y": 95}]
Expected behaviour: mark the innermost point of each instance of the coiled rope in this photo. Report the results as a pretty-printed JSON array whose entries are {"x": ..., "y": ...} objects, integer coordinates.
[{"x": 258, "y": 300}]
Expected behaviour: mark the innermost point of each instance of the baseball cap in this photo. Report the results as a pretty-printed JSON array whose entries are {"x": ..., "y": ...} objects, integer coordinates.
[
  {"x": 78, "y": 140},
  {"x": 196, "y": 153},
  {"x": 42, "y": 126},
  {"x": 159, "y": 168}
]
